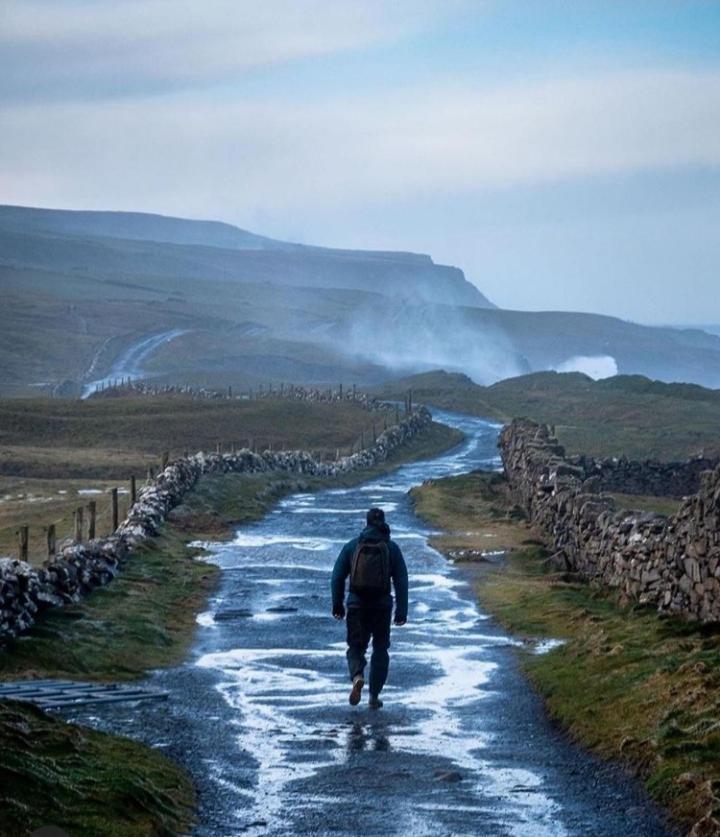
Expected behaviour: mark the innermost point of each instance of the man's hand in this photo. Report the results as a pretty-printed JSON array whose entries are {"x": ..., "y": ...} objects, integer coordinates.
[
  {"x": 339, "y": 613},
  {"x": 399, "y": 622}
]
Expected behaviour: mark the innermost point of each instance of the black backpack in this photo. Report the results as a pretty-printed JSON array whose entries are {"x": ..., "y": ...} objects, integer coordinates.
[{"x": 370, "y": 568}]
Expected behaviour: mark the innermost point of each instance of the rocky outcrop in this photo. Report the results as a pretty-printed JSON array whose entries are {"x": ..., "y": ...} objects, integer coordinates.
[
  {"x": 79, "y": 568},
  {"x": 672, "y": 563}
]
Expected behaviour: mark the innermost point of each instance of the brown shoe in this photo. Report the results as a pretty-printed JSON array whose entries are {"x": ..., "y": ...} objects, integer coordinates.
[{"x": 356, "y": 691}]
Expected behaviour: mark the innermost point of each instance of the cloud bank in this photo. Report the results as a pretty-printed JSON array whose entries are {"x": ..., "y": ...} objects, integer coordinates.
[
  {"x": 69, "y": 48},
  {"x": 224, "y": 156}
]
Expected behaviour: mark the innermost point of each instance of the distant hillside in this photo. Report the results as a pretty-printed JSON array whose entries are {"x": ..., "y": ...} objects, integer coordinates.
[
  {"x": 81, "y": 290},
  {"x": 145, "y": 226},
  {"x": 134, "y": 225},
  {"x": 143, "y": 245},
  {"x": 626, "y": 415}
]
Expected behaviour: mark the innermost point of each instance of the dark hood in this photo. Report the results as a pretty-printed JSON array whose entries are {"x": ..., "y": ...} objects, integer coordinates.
[{"x": 379, "y": 532}]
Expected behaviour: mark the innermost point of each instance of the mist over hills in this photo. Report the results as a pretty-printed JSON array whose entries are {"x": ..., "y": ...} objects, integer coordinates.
[{"x": 80, "y": 288}]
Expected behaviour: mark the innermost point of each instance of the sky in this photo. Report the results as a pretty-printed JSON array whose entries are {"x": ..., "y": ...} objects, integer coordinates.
[{"x": 565, "y": 155}]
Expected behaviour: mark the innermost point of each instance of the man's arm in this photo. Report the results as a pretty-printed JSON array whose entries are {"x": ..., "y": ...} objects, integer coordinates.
[
  {"x": 400, "y": 583},
  {"x": 341, "y": 571}
]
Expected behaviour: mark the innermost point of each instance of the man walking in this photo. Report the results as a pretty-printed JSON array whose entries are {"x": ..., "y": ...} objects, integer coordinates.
[{"x": 371, "y": 561}]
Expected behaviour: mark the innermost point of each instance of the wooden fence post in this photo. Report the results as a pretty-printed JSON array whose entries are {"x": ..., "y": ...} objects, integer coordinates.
[
  {"x": 79, "y": 514},
  {"x": 133, "y": 490},
  {"x": 51, "y": 541},
  {"x": 410, "y": 401},
  {"x": 218, "y": 448},
  {"x": 23, "y": 538},
  {"x": 92, "y": 517},
  {"x": 164, "y": 459},
  {"x": 150, "y": 473},
  {"x": 114, "y": 508}
]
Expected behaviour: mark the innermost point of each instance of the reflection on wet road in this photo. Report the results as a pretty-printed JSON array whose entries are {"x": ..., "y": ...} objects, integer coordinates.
[{"x": 259, "y": 714}]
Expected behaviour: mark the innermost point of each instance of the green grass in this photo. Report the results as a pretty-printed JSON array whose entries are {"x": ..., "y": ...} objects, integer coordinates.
[
  {"x": 87, "y": 782},
  {"x": 627, "y": 684},
  {"x": 625, "y": 415},
  {"x": 52, "y": 773},
  {"x": 474, "y": 511}
]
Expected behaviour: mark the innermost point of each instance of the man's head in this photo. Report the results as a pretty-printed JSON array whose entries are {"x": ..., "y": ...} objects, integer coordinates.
[{"x": 375, "y": 517}]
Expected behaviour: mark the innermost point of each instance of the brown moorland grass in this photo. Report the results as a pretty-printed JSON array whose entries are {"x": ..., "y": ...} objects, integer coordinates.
[
  {"x": 106, "y": 438},
  {"x": 56, "y": 455}
]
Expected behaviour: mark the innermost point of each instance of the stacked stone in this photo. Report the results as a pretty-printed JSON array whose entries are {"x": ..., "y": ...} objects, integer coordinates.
[
  {"x": 300, "y": 393},
  {"x": 291, "y": 392},
  {"x": 650, "y": 477},
  {"x": 80, "y": 568},
  {"x": 671, "y": 563},
  {"x": 19, "y": 589}
]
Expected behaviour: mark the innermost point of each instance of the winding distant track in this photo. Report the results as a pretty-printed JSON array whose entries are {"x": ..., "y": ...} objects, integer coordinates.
[
  {"x": 259, "y": 713},
  {"x": 128, "y": 363}
]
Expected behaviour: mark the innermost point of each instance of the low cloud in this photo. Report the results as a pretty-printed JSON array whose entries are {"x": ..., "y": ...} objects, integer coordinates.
[
  {"x": 409, "y": 339},
  {"x": 596, "y": 366}
]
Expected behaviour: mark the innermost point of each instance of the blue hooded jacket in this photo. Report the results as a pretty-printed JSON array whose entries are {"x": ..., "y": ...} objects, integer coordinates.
[{"x": 398, "y": 574}]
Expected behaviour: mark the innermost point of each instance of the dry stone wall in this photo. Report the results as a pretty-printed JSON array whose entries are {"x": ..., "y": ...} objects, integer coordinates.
[
  {"x": 26, "y": 591},
  {"x": 672, "y": 563},
  {"x": 661, "y": 479}
]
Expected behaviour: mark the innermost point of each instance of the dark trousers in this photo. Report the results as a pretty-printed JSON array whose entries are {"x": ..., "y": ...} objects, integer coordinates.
[{"x": 362, "y": 624}]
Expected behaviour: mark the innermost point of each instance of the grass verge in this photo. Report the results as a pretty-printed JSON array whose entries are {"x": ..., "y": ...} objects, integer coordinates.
[
  {"x": 89, "y": 783},
  {"x": 626, "y": 683},
  {"x": 52, "y": 772}
]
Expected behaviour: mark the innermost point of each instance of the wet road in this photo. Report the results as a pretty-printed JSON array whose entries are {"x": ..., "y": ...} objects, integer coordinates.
[
  {"x": 128, "y": 363},
  {"x": 259, "y": 713}
]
